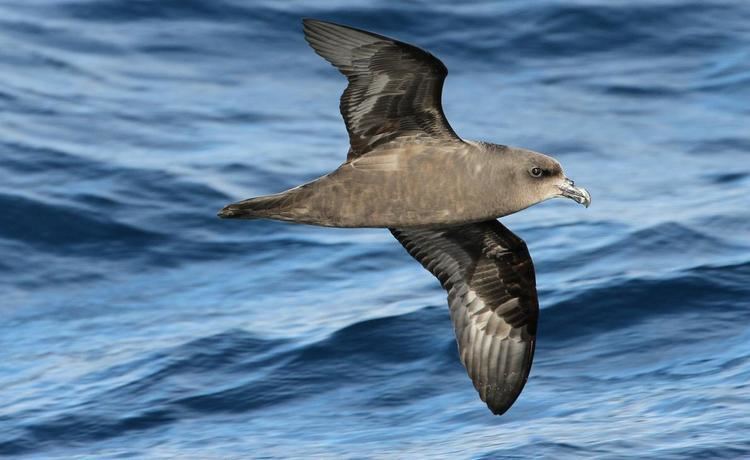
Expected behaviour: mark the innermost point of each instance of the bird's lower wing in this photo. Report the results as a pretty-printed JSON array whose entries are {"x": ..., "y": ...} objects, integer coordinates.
[{"x": 491, "y": 286}]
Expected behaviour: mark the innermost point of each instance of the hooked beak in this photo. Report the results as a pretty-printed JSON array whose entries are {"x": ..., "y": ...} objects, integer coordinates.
[{"x": 578, "y": 194}]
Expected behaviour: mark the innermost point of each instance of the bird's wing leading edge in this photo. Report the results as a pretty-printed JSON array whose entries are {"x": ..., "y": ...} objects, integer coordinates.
[
  {"x": 491, "y": 286},
  {"x": 394, "y": 88}
]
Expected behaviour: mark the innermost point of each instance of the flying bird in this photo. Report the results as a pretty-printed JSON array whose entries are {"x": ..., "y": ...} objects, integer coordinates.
[{"x": 438, "y": 194}]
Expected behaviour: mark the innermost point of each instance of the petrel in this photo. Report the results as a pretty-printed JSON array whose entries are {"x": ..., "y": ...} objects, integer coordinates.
[{"x": 438, "y": 194}]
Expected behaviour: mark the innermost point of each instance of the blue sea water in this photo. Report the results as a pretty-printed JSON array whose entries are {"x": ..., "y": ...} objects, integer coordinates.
[{"x": 135, "y": 324}]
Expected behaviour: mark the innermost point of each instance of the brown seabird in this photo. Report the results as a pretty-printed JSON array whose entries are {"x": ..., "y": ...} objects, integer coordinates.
[{"x": 439, "y": 195}]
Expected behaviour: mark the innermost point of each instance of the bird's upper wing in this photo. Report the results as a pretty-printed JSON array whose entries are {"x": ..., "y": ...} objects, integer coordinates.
[
  {"x": 491, "y": 286},
  {"x": 394, "y": 88}
]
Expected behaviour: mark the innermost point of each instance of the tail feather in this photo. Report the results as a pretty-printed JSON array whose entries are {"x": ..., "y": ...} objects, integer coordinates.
[{"x": 262, "y": 207}]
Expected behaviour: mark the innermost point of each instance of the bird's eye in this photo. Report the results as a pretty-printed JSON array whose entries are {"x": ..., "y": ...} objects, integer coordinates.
[{"x": 536, "y": 172}]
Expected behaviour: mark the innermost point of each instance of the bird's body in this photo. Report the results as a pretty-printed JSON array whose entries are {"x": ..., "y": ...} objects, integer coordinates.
[
  {"x": 440, "y": 195},
  {"x": 395, "y": 186}
]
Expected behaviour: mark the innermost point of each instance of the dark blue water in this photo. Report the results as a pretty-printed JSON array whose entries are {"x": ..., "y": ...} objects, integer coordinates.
[{"x": 135, "y": 324}]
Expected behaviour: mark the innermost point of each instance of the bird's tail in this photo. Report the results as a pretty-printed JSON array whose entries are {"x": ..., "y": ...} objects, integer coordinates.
[{"x": 263, "y": 207}]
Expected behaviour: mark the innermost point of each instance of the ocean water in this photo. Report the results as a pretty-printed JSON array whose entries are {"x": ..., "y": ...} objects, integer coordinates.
[{"x": 136, "y": 324}]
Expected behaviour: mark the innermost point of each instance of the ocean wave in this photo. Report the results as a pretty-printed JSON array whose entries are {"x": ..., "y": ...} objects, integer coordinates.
[
  {"x": 60, "y": 228},
  {"x": 625, "y": 302},
  {"x": 649, "y": 248},
  {"x": 238, "y": 372}
]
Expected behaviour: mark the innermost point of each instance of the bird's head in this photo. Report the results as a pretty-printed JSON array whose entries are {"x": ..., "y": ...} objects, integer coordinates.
[{"x": 542, "y": 178}]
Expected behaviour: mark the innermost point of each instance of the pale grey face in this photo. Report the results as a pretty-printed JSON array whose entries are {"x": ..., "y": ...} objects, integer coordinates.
[{"x": 543, "y": 178}]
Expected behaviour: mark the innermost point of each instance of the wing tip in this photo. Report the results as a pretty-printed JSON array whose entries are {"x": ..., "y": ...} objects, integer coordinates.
[
  {"x": 499, "y": 410},
  {"x": 322, "y": 34},
  {"x": 310, "y": 26},
  {"x": 312, "y": 22},
  {"x": 500, "y": 402},
  {"x": 314, "y": 25},
  {"x": 502, "y": 405},
  {"x": 331, "y": 40}
]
